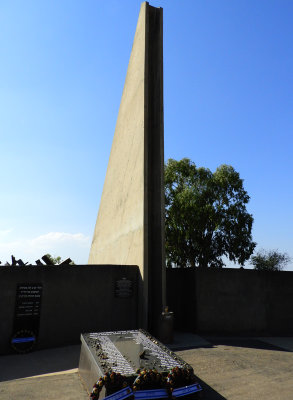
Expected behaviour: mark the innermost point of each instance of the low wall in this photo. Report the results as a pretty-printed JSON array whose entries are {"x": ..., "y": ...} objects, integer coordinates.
[
  {"x": 231, "y": 301},
  {"x": 75, "y": 299}
]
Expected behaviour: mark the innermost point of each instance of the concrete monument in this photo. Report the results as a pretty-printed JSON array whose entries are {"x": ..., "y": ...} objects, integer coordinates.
[{"x": 130, "y": 222}]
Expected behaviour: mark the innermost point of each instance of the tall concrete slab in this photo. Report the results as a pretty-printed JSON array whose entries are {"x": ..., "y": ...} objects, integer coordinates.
[{"x": 130, "y": 222}]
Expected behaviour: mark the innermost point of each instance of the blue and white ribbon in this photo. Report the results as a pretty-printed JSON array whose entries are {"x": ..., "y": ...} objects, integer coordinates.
[
  {"x": 122, "y": 394},
  {"x": 150, "y": 394},
  {"x": 186, "y": 390}
]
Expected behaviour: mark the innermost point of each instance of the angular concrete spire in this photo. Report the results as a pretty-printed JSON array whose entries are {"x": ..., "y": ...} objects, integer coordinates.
[{"x": 130, "y": 223}]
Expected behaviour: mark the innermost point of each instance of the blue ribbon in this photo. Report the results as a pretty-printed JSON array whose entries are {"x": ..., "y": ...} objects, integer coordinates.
[
  {"x": 183, "y": 391},
  {"x": 122, "y": 394},
  {"x": 151, "y": 394},
  {"x": 23, "y": 340}
]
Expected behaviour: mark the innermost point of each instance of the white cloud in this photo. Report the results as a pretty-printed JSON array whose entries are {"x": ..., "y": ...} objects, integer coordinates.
[
  {"x": 5, "y": 232},
  {"x": 73, "y": 245},
  {"x": 52, "y": 238}
]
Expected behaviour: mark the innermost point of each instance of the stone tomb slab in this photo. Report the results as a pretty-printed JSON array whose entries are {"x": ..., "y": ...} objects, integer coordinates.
[{"x": 123, "y": 352}]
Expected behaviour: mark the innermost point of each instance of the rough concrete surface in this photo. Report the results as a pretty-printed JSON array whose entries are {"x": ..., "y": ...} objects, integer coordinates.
[
  {"x": 42, "y": 362},
  {"x": 285, "y": 343},
  {"x": 130, "y": 222},
  {"x": 228, "y": 369},
  {"x": 242, "y": 369},
  {"x": 186, "y": 340},
  {"x": 45, "y": 374},
  {"x": 118, "y": 235},
  {"x": 65, "y": 386}
]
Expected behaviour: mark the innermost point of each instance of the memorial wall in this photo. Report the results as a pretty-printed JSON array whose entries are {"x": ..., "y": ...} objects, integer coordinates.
[
  {"x": 51, "y": 306},
  {"x": 231, "y": 301}
]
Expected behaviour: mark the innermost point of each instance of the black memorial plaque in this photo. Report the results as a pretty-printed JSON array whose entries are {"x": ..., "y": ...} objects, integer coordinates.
[
  {"x": 123, "y": 288},
  {"x": 27, "y": 316}
]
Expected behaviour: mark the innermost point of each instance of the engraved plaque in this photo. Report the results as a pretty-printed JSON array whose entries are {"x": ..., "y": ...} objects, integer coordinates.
[
  {"x": 27, "y": 316},
  {"x": 123, "y": 288},
  {"x": 125, "y": 354}
]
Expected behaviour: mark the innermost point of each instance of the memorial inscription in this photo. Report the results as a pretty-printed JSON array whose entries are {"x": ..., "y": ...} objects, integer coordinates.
[
  {"x": 111, "y": 361},
  {"x": 123, "y": 288},
  {"x": 28, "y": 300},
  {"x": 27, "y": 316}
]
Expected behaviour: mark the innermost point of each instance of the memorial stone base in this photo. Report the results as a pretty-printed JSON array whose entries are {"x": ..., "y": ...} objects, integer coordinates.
[{"x": 125, "y": 352}]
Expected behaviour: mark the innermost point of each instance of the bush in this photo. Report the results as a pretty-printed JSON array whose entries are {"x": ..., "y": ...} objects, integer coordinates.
[{"x": 269, "y": 260}]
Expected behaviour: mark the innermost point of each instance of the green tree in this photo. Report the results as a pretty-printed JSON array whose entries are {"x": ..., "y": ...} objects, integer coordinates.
[
  {"x": 57, "y": 260},
  {"x": 54, "y": 260},
  {"x": 269, "y": 260},
  {"x": 206, "y": 216}
]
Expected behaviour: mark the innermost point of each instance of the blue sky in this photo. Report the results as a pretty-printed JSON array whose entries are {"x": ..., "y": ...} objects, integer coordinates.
[{"x": 228, "y": 98}]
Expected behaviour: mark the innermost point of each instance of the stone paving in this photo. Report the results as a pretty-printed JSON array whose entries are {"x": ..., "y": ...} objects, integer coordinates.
[
  {"x": 244, "y": 369},
  {"x": 227, "y": 368},
  {"x": 65, "y": 386}
]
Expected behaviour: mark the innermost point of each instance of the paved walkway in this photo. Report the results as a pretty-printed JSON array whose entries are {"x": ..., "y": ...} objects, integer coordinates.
[
  {"x": 46, "y": 374},
  {"x": 65, "y": 386},
  {"x": 228, "y": 369},
  {"x": 40, "y": 362},
  {"x": 244, "y": 368}
]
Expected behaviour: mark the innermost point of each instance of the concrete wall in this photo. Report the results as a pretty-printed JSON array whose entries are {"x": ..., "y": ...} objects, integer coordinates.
[
  {"x": 130, "y": 222},
  {"x": 231, "y": 301},
  {"x": 75, "y": 299}
]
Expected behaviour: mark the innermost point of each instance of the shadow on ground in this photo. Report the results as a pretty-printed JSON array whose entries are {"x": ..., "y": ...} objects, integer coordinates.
[
  {"x": 209, "y": 393},
  {"x": 189, "y": 341},
  {"x": 191, "y": 347},
  {"x": 39, "y": 362},
  {"x": 251, "y": 343},
  {"x": 186, "y": 341}
]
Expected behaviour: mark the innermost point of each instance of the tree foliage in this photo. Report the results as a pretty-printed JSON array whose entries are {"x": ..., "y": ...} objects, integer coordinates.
[
  {"x": 269, "y": 260},
  {"x": 206, "y": 216},
  {"x": 57, "y": 260},
  {"x": 54, "y": 260}
]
